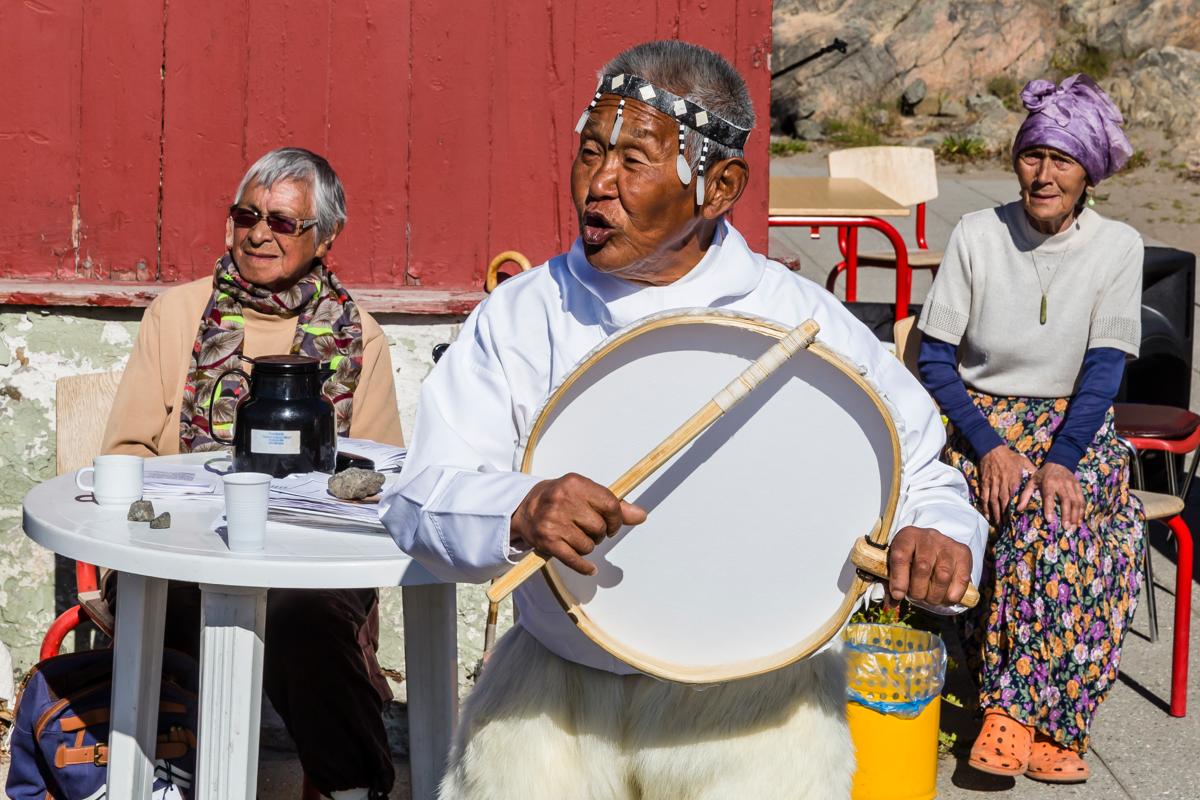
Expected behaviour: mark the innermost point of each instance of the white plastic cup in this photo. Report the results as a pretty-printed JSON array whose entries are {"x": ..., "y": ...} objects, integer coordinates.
[
  {"x": 246, "y": 495},
  {"x": 116, "y": 480}
]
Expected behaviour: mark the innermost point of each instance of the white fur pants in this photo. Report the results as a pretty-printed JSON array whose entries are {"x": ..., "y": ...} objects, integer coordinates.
[{"x": 537, "y": 726}]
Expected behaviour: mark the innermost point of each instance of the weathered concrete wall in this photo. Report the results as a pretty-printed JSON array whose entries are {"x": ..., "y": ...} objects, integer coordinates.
[{"x": 38, "y": 346}]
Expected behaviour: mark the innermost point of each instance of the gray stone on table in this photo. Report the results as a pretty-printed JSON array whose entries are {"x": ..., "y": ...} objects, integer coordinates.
[
  {"x": 140, "y": 511},
  {"x": 355, "y": 484},
  {"x": 161, "y": 522}
]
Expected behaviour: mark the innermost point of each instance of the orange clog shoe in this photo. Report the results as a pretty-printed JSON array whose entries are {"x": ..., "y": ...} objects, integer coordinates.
[
  {"x": 1003, "y": 745},
  {"x": 1052, "y": 763}
]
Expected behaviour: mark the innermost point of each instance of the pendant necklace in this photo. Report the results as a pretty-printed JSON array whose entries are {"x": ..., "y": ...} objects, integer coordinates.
[{"x": 1044, "y": 286}]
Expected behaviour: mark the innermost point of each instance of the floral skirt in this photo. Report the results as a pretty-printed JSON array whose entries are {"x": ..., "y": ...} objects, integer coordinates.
[{"x": 1045, "y": 639}]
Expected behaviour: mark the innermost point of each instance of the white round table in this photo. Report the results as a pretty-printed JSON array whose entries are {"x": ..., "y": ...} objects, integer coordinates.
[{"x": 234, "y": 590}]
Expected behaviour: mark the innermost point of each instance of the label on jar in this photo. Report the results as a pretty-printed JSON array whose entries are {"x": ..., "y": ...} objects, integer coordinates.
[{"x": 275, "y": 442}]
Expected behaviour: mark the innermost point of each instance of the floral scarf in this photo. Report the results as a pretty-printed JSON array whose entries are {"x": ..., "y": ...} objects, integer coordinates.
[{"x": 328, "y": 328}]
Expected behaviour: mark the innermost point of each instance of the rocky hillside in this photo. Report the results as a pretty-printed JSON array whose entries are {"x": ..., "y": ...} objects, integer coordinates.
[{"x": 919, "y": 70}]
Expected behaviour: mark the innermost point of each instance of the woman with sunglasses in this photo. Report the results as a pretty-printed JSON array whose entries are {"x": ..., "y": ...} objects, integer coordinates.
[
  {"x": 271, "y": 293},
  {"x": 1027, "y": 327}
]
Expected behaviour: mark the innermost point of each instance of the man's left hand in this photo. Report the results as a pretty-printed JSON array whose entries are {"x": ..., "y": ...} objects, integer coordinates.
[{"x": 928, "y": 567}]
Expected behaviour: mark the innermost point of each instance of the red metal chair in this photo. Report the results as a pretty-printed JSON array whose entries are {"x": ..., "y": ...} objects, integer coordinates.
[
  {"x": 1173, "y": 432},
  {"x": 908, "y": 175},
  {"x": 1168, "y": 509}
]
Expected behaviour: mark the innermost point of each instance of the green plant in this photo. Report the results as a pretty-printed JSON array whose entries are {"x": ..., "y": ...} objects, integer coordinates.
[
  {"x": 788, "y": 146},
  {"x": 854, "y": 132},
  {"x": 1139, "y": 159},
  {"x": 1092, "y": 61},
  {"x": 885, "y": 612},
  {"x": 961, "y": 148},
  {"x": 1008, "y": 89}
]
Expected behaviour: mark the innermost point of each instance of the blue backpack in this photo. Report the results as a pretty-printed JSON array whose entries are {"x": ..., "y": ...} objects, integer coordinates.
[{"x": 60, "y": 729}]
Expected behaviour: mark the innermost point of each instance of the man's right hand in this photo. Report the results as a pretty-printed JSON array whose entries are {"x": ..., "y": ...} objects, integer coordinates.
[
  {"x": 567, "y": 517},
  {"x": 1000, "y": 473}
]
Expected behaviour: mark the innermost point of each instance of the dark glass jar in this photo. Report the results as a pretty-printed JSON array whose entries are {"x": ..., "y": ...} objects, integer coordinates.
[{"x": 284, "y": 424}]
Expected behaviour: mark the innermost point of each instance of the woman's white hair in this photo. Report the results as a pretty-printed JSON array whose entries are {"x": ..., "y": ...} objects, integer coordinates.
[
  {"x": 698, "y": 74},
  {"x": 298, "y": 164}
]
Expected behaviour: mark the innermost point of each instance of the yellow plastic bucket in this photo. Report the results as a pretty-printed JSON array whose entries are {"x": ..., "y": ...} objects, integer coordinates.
[{"x": 895, "y": 669}]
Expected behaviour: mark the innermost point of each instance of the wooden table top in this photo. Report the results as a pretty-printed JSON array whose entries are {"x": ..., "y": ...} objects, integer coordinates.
[{"x": 832, "y": 197}]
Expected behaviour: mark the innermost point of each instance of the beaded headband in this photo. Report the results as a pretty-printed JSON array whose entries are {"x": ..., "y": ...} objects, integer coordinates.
[{"x": 683, "y": 111}]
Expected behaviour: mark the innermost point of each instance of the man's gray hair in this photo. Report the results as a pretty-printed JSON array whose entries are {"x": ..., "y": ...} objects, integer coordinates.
[
  {"x": 298, "y": 164},
  {"x": 698, "y": 74}
]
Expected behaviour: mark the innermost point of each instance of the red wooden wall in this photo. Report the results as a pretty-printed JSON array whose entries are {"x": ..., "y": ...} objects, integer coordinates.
[{"x": 127, "y": 125}]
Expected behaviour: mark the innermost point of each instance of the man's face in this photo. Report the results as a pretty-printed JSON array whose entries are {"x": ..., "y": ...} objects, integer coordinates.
[
  {"x": 634, "y": 213},
  {"x": 272, "y": 260}
]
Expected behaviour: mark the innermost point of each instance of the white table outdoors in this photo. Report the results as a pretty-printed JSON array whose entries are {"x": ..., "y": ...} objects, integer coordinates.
[{"x": 234, "y": 591}]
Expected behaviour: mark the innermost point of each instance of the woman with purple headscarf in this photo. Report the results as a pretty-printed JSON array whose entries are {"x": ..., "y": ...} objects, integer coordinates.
[{"x": 1027, "y": 327}]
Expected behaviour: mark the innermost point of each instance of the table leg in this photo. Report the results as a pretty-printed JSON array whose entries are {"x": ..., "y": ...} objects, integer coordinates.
[
  {"x": 431, "y": 672},
  {"x": 231, "y": 657},
  {"x": 1183, "y": 614},
  {"x": 137, "y": 678}
]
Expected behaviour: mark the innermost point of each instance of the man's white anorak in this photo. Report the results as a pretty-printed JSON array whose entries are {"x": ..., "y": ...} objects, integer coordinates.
[{"x": 452, "y": 507}]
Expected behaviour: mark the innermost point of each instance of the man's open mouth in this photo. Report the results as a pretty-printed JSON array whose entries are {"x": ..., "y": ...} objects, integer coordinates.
[{"x": 596, "y": 229}]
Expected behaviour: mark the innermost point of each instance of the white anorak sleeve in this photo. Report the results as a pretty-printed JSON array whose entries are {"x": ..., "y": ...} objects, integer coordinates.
[
  {"x": 933, "y": 494},
  {"x": 452, "y": 506}
]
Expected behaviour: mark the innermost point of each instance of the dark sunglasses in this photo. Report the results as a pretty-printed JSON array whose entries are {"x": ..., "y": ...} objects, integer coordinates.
[{"x": 278, "y": 223}]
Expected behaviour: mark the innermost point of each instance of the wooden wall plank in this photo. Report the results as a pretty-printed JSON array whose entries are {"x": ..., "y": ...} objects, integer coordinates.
[
  {"x": 451, "y": 132},
  {"x": 368, "y": 139},
  {"x": 120, "y": 129},
  {"x": 204, "y": 131},
  {"x": 40, "y": 55}
]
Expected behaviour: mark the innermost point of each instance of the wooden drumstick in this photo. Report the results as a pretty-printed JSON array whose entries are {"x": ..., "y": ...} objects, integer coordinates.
[
  {"x": 796, "y": 340},
  {"x": 872, "y": 559}
]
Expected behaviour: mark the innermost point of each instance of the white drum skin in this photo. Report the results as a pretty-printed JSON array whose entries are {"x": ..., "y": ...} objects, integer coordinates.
[{"x": 742, "y": 564}]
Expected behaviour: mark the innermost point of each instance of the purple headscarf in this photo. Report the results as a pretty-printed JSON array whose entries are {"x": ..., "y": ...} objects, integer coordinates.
[{"x": 1077, "y": 118}]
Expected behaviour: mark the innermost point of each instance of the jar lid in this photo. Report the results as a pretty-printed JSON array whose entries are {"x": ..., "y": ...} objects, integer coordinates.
[{"x": 286, "y": 365}]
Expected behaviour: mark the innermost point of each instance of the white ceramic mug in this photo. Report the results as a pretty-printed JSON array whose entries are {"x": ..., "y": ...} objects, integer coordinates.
[
  {"x": 246, "y": 495},
  {"x": 116, "y": 480}
]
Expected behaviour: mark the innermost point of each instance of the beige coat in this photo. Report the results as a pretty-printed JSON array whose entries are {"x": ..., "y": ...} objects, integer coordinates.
[{"x": 145, "y": 415}]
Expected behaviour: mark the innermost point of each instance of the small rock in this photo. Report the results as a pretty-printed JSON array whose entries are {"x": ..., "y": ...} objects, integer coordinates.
[
  {"x": 985, "y": 104},
  {"x": 930, "y": 140},
  {"x": 140, "y": 511},
  {"x": 952, "y": 108},
  {"x": 914, "y": 93},
  {"x": 163, "y": 520},
  {"x": 355, "y": 484},
  {"x": 810, "y": 130},
  {"x": 879, "y": 118}
]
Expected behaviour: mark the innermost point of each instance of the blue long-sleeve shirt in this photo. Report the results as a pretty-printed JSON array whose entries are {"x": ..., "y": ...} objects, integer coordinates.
[{"x": 1099, "y": 380}]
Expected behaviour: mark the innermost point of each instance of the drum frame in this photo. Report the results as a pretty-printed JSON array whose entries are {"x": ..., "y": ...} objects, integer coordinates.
[{"x": 740, "y": 669}]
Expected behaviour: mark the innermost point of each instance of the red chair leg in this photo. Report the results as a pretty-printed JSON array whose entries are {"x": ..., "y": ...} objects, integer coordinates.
[
  {"x": 831, "y": 278},
  {"x": 64, "y": 624},
  {"x": 1183, "y": 615}
]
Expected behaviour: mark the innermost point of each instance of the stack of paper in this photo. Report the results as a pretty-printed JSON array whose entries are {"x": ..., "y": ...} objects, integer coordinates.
[
  {"x": 387, "y": 458},
  {"x": 180, "y": 481},
  {"x": 304, "y": 499}
]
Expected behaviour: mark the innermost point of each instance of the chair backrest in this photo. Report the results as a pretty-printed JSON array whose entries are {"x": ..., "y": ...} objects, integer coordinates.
[
  {"x": 81, "y": 407},
  {"x": 905, "y": 174},
  {"x": 908, "y": 342}
]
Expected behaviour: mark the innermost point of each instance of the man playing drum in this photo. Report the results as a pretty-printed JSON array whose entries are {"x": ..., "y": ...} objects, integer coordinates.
[{"x": 659, "y": 167}]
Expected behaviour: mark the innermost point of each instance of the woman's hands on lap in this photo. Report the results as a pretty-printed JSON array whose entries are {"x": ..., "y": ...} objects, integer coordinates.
[
  {"x": 1059, "y": 489},
  {"x": 1001, "y": 471}
]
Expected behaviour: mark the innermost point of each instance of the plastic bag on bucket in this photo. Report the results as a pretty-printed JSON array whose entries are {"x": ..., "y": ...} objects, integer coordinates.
[{"x": 893, "y": 670}]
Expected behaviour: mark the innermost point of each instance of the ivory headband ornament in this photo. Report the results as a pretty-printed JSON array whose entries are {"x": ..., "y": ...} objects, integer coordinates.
[{"x": 798, "y": 339}]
